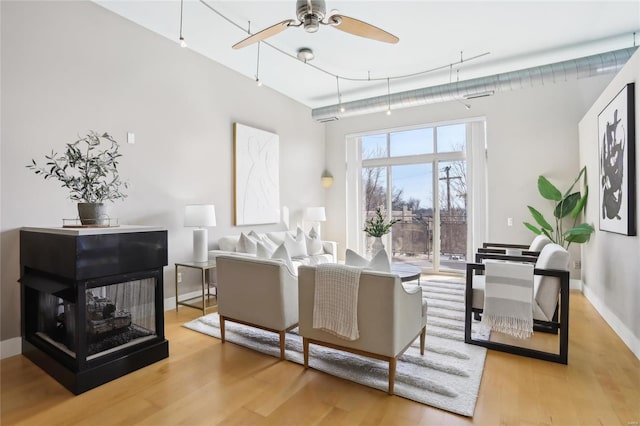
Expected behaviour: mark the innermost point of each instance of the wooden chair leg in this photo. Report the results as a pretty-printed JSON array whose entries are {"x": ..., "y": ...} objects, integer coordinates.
[
  {"x": 305, "y": 350},
  {"x": 282, "y": 334},
  {"x": 392, "y": 374},
  {"x": 222, "y": 328},
  {"x": 423, "y": 335}
]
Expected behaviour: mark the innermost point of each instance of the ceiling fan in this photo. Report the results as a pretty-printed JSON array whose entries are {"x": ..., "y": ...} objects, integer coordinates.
[{"x": 310, "y": 15}]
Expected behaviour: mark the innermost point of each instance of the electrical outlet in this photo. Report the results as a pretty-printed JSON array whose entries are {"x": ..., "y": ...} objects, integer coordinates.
[
  {"x": 179, "y": 277},
  {"x": 577, "y": 264},
  {"x": 509, "y": 221}
]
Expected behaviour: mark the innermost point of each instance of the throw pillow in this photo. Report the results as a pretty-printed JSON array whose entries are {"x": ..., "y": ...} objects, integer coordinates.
[
  {"x": 263, "y": 250},
  {"x": 314, "y": 246},
  {"x": 276, "y": 237},
  {"x": 352, "y": 258},
  {"x": 380, "y": 261},
  {"x": 282, "y": 254},
  {"x": 313, "y": 233},
  {"x": 296, "y": 247},
  {"x": 270, "y": 245},
  {"x": 246, "y": 245}
]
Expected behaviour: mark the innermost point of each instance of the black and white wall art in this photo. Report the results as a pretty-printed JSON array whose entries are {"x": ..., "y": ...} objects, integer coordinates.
[{"x": 616, "y": 139}]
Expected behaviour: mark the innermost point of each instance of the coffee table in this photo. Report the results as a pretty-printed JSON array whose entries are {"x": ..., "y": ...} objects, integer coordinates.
[{"x": 406, "y": 272}]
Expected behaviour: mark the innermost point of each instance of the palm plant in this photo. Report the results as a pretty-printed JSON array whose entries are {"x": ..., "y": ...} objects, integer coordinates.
[{"x": 568, "y": 207}]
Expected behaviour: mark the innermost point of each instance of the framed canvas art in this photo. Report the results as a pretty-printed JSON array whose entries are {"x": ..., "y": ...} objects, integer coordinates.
[
  {"x": 616, "y": 140},
  {"x": 256, "y": 176}
]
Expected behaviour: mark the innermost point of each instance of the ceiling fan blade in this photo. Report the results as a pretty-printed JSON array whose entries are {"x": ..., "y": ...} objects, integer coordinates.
[
  {"x": 266, "y": 33},
  {"x": 361, "y": 28}
]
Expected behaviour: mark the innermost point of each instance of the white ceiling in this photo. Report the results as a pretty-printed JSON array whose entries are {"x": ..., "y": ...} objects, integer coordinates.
[{"x": 515, "y": 34}]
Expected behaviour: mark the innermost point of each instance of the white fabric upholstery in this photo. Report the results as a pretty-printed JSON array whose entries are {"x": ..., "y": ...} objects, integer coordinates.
[
  {"x": 546, "y": 289},
  {"x": 260, "y": 292},
  {"x": 389, "y": 316},
  {"x": 538, "y": 243}
]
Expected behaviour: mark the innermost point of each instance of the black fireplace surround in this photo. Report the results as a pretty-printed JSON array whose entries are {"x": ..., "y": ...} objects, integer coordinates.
[{"x": 92, "y": 302}]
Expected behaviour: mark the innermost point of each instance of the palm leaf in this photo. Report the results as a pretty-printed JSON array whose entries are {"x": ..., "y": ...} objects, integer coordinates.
[
  {"x": 540, "y": 219},
  {"x": 548, "y": 190},
  {"x": 566, "y": 206}
]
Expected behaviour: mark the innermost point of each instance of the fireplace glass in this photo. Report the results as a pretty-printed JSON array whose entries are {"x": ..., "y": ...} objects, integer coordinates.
[{"x": 117, "y": 316}]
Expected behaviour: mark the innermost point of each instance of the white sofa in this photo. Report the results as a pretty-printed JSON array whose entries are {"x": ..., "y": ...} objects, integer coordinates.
[{"x": 229, "y": 245}]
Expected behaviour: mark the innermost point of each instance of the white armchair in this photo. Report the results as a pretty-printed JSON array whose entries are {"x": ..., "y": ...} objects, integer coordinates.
[
  {"x": 262, "y": 293},
  {"x": 390, "y": 318}
]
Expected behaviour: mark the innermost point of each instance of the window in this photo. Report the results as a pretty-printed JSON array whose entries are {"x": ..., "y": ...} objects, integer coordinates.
[{"x": 420, "y": 177}]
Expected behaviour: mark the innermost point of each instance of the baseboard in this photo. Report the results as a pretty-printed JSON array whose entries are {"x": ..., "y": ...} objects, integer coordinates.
[
  {"x": 13, "y": 347},
  {"x": 575, "y": 284},
  {"x": 10, "y": 347},
  {"x": 614, "y": 322}
]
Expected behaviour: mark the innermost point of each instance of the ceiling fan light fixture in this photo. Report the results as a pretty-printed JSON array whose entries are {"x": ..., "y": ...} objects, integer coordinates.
[
  {"x": 305, "y": 54},
  {"x": 311, "y": 14},
  {"x": 311, "y": 23},
  {"x": 335, "y": 20}
]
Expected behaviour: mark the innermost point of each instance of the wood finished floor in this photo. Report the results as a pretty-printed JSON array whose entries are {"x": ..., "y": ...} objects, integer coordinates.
[{"x": 204, "y": 382}]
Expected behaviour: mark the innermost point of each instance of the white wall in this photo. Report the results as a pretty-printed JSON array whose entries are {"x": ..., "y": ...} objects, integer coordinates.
[
  {"x": 70, "y": 67},
  {"x": 611, "y": 267},
  {"x": 529, "y": 132}
]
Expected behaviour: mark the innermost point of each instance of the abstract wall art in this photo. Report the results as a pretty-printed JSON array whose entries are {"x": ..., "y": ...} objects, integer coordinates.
[
  {"x": 616, "y": 139},
  {"x": 256, "y": 176}
]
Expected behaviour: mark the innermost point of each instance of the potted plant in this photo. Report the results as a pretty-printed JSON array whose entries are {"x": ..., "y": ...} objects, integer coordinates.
[
  {"x": 377, "y": 227},
  {"x": 567, "y": 207},
  {"x": 89, "y": 172}
]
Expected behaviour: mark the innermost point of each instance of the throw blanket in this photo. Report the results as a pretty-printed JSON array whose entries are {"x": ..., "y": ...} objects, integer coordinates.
[
  {"x": 508, "y": 298},
  {"x": 335, "y": 302}
]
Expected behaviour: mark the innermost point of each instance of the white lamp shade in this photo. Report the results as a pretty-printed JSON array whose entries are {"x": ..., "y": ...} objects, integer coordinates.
[
  {"x": 200, "y": 215},
  {"x": 315, "y": 214}
]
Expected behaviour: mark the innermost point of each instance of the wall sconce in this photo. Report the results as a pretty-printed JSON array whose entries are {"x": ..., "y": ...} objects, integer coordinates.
[{"x": 327, "y": 179}]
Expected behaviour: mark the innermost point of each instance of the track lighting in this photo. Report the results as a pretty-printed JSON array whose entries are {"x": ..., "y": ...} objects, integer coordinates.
[
  {"x": 340, "y": 106},
  {"x": 182, "y": 42},
  {"x": 258, "y": 82}
]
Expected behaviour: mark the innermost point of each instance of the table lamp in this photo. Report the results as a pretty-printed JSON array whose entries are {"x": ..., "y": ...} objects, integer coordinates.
[
  {"x": 315, "y": 214},
  {"x": 200, "y": 216}
]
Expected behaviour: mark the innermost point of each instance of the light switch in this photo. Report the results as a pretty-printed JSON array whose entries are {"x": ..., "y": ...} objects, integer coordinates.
[{"x": 131, "y": 138}]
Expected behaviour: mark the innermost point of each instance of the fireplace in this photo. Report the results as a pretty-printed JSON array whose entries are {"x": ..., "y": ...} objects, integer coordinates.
[{"x": 92, "y": 301}]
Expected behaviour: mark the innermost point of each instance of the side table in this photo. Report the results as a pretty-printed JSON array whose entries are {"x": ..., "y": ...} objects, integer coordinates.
[
  {"x": 406, "y": 271},
  {"x": 206, "y": 300}
]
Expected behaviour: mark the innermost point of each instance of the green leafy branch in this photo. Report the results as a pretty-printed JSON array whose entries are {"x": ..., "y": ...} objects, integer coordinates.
[
  {"x": 90, "y": 174},
  {"x": 377, "y": 226}
]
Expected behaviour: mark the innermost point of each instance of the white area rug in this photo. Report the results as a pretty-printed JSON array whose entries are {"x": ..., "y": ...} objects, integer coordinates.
[{"x": 447, "y": 376}]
